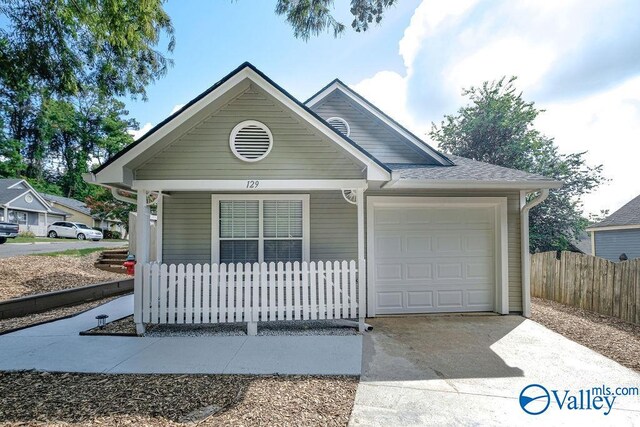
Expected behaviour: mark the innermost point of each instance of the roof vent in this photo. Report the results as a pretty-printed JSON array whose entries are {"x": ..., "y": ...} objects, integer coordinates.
[
  {"x": 340, "y": 124},
  {"x": 251, "y": 141}
]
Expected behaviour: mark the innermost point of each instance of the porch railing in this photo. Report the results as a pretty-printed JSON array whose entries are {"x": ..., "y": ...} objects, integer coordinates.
[{"x": 218, "y": 293}]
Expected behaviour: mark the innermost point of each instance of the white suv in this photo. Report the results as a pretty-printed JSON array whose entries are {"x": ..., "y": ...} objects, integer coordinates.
[{"x": 74, "y": 230}]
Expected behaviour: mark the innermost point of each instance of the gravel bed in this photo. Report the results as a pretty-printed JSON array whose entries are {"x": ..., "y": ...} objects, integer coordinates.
[
  {"x": 28, "y": 275},
  {"x": 296, "y": 327},
  {"x": 609, "y": 336},
  {"x": 124, "y": 326},
  {"x": 56, "y": 313},
  {"x": 40, "y": 398}
]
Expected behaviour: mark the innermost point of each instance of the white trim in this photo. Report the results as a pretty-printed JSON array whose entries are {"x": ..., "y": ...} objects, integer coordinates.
[
  {"x": 593, "y": 243},
  {"x": 344, "y": 122},
  {"x": 159, "y": 210},
  {"x": 501, "y": 238},
  {"x": 421, "y": 145},
  {"x": 215, "y": 221},
  {"x": 613, "y": 227},
  {"x": 238, "y": 128},
  {"x": 471, "y": 184},
  {"x": 362, "y": 263},
  {"x": 115, "y": 173},
  {"x": 248, "y": 185},
  {"x": 525, "y": 256}
]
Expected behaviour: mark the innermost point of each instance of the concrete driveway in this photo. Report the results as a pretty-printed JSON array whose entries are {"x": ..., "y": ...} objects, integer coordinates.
[
  {"x": 8, "y": 250},
  {"x": 470, "y": 370}
]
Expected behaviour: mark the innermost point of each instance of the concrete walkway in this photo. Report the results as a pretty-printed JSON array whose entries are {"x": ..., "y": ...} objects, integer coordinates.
[
  {"x": 57, "y": 346},
  {"x": 470, "y": 370}
]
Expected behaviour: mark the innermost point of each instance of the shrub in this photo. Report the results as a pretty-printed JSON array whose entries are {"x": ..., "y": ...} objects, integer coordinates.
[
  {"x": 27, "y": 234},
  {"x": 109, "y": 234}
]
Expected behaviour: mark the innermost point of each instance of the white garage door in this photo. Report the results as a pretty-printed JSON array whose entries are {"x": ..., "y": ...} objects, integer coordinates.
[{"x": 434, "y": 259}]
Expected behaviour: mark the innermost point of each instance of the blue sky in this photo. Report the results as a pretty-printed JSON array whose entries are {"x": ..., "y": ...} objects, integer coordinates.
[{"x": 577, "y": 60}]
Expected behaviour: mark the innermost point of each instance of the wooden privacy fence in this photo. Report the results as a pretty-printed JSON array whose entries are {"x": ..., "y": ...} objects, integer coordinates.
[
  {"x": 588, "y": 282},
  {"x": 179, "y": 293}
]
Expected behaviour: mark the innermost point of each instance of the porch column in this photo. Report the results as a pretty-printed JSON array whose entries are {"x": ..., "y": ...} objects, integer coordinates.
[
  {"x": 142, "y": 256},
  {"x": 362, "y": 264}
]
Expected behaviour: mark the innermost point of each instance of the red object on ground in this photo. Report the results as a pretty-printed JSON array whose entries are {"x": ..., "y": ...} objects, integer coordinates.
[{"x": 130, "y": 266}]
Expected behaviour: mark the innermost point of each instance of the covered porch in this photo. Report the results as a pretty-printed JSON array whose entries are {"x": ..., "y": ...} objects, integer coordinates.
[{"x": 250, "y": 251}]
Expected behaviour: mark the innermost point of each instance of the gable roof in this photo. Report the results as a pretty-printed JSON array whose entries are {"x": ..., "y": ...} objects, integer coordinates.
[
  {"x": 337, "y": 84},
  {"x": 8, "y": 193},
  {"x": 627, "y": 216},
  {"x": 245, "y": 70},
  {"x": 70, "y": 203}
]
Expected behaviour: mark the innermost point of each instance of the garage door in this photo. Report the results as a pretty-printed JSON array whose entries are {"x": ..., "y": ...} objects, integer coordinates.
[{"x": 433, "y": 259}]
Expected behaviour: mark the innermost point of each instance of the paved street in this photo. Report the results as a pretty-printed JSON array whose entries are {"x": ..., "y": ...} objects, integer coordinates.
[{"x": 15, "y": 249}]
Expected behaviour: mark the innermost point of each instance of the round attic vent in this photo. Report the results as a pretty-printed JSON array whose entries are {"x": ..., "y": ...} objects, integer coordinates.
[
  {"x": 251, "y": 141},
  {"x": 28, "y": 198},
  {"x": 340, "y": 124}
]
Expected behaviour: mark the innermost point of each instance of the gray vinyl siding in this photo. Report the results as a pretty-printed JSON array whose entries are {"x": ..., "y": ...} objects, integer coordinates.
[
  {"x": 370, "y": 132},
  {"x": 611, "y": 244},
  {"x": 513, "y": 233},
  {"x": 186, "y": 228},
  {"x": 333, "y": 229},
  {"x": 21, "y": 203},
  {"x": 299, "y": 150}
]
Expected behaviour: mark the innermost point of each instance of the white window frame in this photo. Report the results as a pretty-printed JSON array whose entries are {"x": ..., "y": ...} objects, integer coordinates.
[{"x": 215, "y": 221}]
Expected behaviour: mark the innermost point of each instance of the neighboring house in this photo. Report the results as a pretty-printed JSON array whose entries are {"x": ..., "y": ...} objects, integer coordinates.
[
  {"x": 20, "y": 203},
  {"x": 618, "y": 233},
  {"x": 245, "y": 173},
  {"x": 79, "y": 212}
]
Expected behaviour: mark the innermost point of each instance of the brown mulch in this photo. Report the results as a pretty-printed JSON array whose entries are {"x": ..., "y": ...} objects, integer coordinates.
[
  {"x": 56, "y": 313},
  {"x": 28, "y": 275},
  {"x": 609, "y": 336},
  {"x": 34, "y": 398}
]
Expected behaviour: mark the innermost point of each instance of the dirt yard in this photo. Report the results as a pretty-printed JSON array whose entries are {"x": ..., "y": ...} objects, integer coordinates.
[
  {"x": 28, "y": 275},
  {"x": 31, "y": 398},
  {"x": 609, "y": 336}
]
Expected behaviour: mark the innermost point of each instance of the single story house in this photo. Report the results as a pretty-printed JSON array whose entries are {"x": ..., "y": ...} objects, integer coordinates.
[
  {"x": 20, "y": 203},
  {"x": 274, "y": 209},
  {"x": 618, "y": 234},
  {"x": 79, "y": 212}
]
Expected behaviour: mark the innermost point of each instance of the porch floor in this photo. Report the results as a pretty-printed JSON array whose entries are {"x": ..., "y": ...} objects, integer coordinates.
[{"x": 56, "y": 346}]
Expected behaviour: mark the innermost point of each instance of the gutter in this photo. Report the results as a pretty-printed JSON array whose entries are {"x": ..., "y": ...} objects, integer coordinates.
[
  {"x": 525, "y": 264},
  {"x": 91, "y": 179}
]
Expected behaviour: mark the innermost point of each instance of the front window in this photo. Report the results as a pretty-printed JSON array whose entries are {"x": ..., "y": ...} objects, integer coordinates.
[
  {"x": 18, "y": 217},
  {"x": 269, "y": 229}
]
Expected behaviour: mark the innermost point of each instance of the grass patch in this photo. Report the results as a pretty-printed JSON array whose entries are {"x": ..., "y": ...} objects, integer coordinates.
[
  {"x": 30, "y": 240},
  {"x": 72, "y": 252}
]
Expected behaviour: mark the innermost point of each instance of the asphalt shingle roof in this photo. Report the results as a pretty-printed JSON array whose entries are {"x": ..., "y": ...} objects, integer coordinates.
[
  {"x": 629, "y": 214},
  {"x": 7, "y": 194},
  {"x": 464, "y": 170},
  {"x": 68, "y": 202}
]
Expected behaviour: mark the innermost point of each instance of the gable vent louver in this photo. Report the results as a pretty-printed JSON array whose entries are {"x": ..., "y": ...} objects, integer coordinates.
[
  {"x": 251, "y": 141},
  {"x": 340, "y": 124}
]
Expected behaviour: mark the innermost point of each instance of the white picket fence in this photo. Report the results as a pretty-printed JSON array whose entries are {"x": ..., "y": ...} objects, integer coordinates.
[{"x": 259, "y": 292}]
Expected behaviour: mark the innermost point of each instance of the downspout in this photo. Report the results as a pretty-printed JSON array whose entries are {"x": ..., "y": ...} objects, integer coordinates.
[{"x": 524, "y": 248}]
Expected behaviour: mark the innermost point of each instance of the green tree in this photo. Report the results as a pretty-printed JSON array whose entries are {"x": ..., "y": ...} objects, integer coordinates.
[
  {"x": 104, "y": 206},
  {"x": 313, "y": 17},
  {"x": 497, "y": 126},
  {"x": 65, "y": 45}
]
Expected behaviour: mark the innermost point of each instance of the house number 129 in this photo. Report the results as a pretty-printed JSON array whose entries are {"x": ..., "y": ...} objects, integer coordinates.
[{"x": 253, "y": 184}]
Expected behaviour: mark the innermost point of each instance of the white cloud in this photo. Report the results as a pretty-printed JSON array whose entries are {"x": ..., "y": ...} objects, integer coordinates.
[
  {"x": 177, "y": 107},
  {"x": 140, "y": 132},
  {"x": 549, "y": 46}
]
